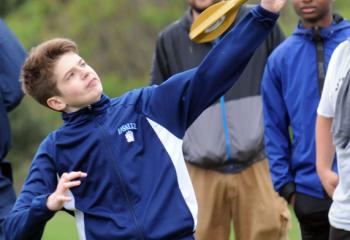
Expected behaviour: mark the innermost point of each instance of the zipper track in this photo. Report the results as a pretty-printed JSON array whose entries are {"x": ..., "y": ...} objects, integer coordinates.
[{"x": 131, "y": 209}]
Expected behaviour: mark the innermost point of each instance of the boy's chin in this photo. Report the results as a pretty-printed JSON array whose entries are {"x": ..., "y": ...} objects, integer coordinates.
[
  {"x": 98, "y": 99},
  {"x": 95, "y": 99},
  {"x": 95, "y": 95}
]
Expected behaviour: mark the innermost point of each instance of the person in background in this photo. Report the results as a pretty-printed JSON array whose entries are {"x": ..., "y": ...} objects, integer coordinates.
[
  {"x": 224, "y": 147},
  {"x": 291, "y": 88},
  {"x": 12, "y": 56},
  {"x": 332, "y": 135}
]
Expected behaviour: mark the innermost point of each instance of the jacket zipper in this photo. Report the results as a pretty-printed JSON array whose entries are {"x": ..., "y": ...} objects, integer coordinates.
[{"x": 131, "y": 209}]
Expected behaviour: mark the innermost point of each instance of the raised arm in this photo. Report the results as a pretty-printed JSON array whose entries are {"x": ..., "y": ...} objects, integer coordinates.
[{"x": 184, "y": 96}]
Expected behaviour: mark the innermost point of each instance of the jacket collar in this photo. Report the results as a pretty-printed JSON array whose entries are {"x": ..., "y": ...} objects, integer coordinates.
[
  {"x": 338, "y": 24},
  {"x": 87, "y": 112},
  {"x": 187, "y": 19}
]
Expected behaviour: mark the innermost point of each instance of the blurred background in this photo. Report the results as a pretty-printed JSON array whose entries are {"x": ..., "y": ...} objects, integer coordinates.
[{"x": 116, "y": 37}]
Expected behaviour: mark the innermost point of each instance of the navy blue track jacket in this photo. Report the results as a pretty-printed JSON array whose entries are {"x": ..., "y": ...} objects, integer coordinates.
[{"x": 137, "y": 185}]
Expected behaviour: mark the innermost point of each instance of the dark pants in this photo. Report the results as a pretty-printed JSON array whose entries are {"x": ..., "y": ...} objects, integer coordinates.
[
  {"x": 7, "y": 194},
  {"x": 338, "y": 234},
  {"x": 312, "y": 214}
]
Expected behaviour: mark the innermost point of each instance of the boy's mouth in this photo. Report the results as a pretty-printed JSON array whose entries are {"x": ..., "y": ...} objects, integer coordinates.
[
  {"x": 92, "y": 83},
  {"x": 308, "y": 10}
]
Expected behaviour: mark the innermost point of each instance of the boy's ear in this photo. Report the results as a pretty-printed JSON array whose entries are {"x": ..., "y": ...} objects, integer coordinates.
[{"x": 56, "y": 103}]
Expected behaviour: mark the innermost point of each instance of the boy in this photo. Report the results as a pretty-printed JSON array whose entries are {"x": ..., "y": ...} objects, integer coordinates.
[
  {"x": 332, "y": 136},
  {"x": 118, "y": 163},
  {"x": 291, "y": 87}
]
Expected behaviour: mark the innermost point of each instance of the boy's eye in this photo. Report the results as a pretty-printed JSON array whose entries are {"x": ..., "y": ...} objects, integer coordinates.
[
  {"x": 83, "y": 64},
  {"x": 70, "y": 75}
]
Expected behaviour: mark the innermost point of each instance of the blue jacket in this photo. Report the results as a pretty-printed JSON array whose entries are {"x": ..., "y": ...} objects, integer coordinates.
[
  {"x": 12, "y": 56},
  {"x": 290, "y": 98},
  {"x": 137, "y": 185}
]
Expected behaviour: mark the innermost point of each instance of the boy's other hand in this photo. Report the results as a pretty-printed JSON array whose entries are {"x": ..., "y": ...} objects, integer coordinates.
[
  {"x": 57, "y": 199},
  {"x": 273, "y": 5},
  {"x": 329, "y": 181}
]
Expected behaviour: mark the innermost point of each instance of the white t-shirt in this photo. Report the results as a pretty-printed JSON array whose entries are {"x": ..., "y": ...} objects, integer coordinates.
[
  {"x": 339, "y": 65},
  {"x": 337, "y": 69}
]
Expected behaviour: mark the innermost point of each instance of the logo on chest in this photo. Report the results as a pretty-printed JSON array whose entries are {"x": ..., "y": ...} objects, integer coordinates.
[{"x": 126, "y": 129}]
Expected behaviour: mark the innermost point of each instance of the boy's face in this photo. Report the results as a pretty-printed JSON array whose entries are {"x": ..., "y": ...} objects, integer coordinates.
[
  {"x": 77, "y": 82},
  {"x": 313, "y": 12}
]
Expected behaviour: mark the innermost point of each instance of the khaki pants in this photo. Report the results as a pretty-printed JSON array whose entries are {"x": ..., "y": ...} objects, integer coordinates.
[{"x": 247, "y": 199}]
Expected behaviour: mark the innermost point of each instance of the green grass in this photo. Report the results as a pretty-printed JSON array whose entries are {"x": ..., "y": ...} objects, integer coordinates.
[
  {"x": 62, "y": 226},
  {"x": 294, "y": 232}
]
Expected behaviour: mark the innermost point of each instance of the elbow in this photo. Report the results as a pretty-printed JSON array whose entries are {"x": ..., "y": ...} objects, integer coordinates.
[
  {"x": 12, "y": 228},
  {"x": 8, "y": 233}
]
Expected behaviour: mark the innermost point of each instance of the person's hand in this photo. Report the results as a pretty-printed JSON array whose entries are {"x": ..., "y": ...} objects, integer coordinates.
[
  {"x": 273, "y": 5},
  {"x": 329, "y": 181},
  {"x": 57, "y": 199}
]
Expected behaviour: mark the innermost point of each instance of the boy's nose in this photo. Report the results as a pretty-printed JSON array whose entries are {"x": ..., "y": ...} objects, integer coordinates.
[{"x": 84, "y": 74}]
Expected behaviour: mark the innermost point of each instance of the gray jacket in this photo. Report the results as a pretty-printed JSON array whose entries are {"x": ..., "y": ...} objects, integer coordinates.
[{"x": 208, "y": 143}]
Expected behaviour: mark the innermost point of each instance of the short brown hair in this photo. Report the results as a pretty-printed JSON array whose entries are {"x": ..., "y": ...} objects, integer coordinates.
[{"x": 38, "y": 69}]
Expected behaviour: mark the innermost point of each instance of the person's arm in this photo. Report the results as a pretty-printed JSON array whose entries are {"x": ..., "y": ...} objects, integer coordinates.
[
  {"x": 184, "y": 96},
  {"x": 159, "y": 69},
  {"x": 325, "y": 149},
  {"x": 12, "y": 56},
  {"x": 40, "y": 198},
  {"x": 325, "y": 154},
  {"x": 30, "y": 213},
  {"x": 277, "y": 138}
]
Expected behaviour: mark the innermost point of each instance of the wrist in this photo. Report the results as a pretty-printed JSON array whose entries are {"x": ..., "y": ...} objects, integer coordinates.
[
  {"x": 272, "y": 6},
  {"x": 40, "y": 212},
  {"x": 324, "y": 173},
  {"x": 287, "y": 191},
  {"x": 51, "y": 204},
  {"x": 267, "y": 8}
]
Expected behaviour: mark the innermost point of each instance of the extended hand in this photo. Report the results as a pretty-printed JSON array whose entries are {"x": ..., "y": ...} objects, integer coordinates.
[
  {"x": 273, "y": 5},
  {"x": 57, "y": 199}
]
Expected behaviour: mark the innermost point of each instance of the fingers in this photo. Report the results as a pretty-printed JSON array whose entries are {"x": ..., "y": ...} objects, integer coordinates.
[
  {"x": 68, "y": 185},
  {"x": 73, "y": 175},
  {"x": 68, "y": 181},
  {"x": 64, "y": 198}
]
